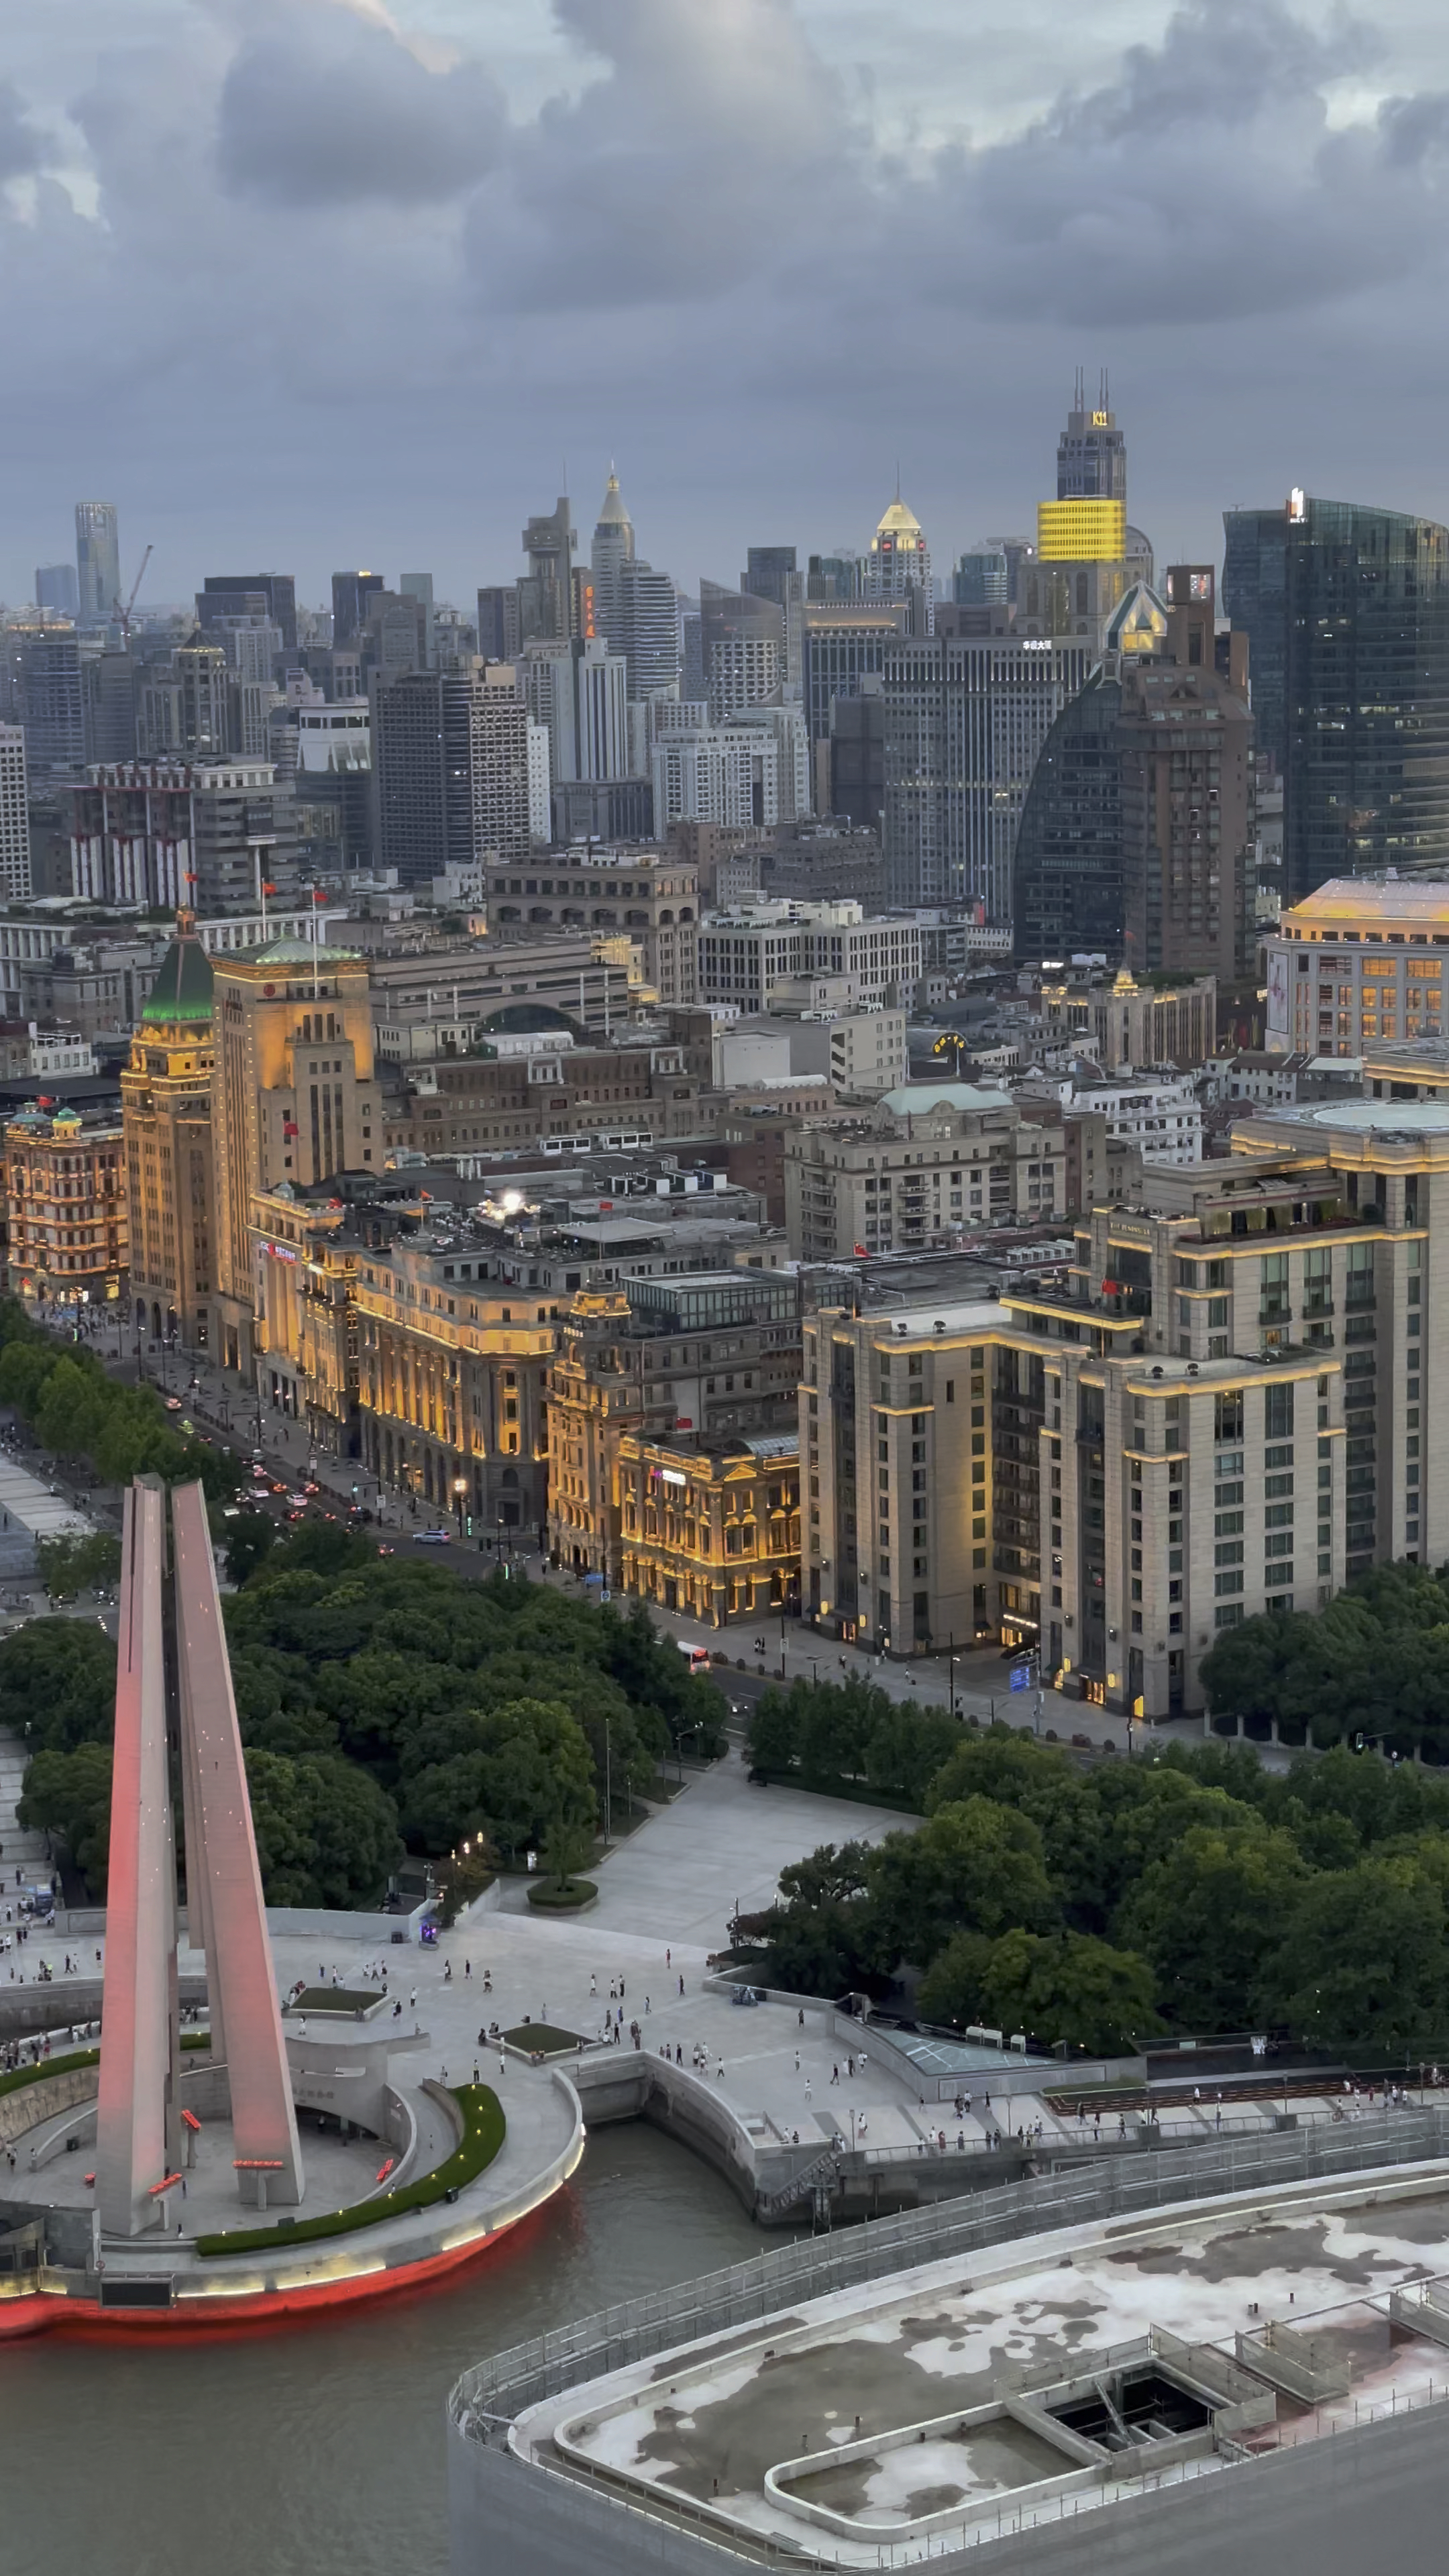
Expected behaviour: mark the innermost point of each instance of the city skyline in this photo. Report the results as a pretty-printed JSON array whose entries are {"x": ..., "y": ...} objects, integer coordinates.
[{"x": 505, "y": 174}]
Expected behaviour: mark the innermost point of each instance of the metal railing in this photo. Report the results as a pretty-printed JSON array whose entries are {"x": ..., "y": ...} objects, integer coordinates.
[{"x": 486, "y": 2398}]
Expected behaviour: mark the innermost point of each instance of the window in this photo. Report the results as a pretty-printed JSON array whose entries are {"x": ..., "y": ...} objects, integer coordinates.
[
  {"x": 1229, "y": 1552},
  {"x": 1228, "y": 1415},
  {"x": 1278, "y": 1410}
]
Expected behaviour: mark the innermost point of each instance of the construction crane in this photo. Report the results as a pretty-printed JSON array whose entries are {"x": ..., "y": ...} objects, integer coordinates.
[{"x": 124, "y": 614}]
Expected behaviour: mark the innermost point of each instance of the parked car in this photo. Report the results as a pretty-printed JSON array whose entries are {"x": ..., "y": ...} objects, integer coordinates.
[{"x": 431, "y": 1538}]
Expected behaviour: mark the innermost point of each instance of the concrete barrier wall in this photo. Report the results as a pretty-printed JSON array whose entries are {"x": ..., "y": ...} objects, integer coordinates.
[{"x": 676, "y": 2100}]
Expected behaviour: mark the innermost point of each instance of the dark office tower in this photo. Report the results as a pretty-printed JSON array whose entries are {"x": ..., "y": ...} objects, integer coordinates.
[
  {"x": 108, "y": 698},
  {"x": 1068, "y": 869},
  {"x": 1255, "y": 595},
  {"x": 1091, "y": 451},
  {"x": 768, "y": 573},
  {"x": 57, "y": 589},
  {"x": 833, "y": 577},
  {"x": 546, "y": 592},
  {"x": 450, "y": 770},
  {"x": 97, "y": 561},
  {"x": 857, "y": 756},
  {"x": 499, "y": 638},
  {"x": 349, "y": 603},
  {"x": 980, "y": 579},
  {"x": 250, "y": 594},
  {"x": 843, "y": 643},
  {"x": 42, "y": 680},
  {"x": 1138, "y": 829},
  {"x": 1359, "y": 627}
]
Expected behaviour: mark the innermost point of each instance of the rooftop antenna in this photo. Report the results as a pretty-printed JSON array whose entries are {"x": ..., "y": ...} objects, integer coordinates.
[{"x": 1106, "y": 392}]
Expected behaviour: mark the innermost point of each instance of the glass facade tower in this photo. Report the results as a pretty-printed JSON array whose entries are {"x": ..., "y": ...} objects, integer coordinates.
[{"x": 1347, "y": 613}]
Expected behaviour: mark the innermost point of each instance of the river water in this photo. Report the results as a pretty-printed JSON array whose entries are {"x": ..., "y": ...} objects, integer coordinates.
[{"x": 318, "y": 2448}]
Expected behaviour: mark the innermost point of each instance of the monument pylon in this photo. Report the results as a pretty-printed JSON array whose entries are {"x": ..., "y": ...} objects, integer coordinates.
[{"x": 182, "y": 1700}]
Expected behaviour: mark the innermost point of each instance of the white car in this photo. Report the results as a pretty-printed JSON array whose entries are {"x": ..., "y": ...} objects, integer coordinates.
[{"x": 432, "y": 1538}]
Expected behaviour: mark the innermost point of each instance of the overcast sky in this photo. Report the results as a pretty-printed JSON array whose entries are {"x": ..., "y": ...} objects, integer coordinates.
[{"x": 309, "y": 283}]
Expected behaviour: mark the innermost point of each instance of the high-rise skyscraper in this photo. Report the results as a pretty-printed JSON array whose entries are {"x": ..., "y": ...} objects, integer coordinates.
[
  {"x": 546, "y": 592},
  {"x": 613, "y": 547},
  {"x": 1091, "y": 451},
  {"x": 899, "y": 562},
  {"x": 1080, "y": 571},
  {"x": 42, "y": 677},
  {"x": 14, "y": 814},
  {"x": 350, "y": 591},
  {"x": 56, "y": 588},
  {"x": 250, "y": 594},
  {"x": 97, "y": 561},
  {"x": 965, "y": 718},
  {"x": 769, "y": 573},
  {"x": 1347, "y": 614},
  {"x": 577, "y": 689},
  {"x": 742, "y": 646},
  {"x": 449, "y": 767},
  {"x": 1137, "y": 834}
]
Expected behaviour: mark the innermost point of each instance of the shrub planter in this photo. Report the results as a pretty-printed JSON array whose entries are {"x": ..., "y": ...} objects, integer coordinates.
[{"x": 550, "y": 1898}]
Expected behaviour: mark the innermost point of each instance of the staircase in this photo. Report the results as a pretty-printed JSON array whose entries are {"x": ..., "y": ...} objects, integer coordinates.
[{"x": 812, "y": 2179}]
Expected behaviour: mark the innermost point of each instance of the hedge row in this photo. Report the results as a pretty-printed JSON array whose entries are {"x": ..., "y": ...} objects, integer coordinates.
[
  {"x": 80, "y": 2057},
  {"x": 484, "y": 2128}
]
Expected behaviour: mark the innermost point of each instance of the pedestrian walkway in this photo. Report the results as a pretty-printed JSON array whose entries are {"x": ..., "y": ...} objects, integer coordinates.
[{"x": 19, "y": 1848}]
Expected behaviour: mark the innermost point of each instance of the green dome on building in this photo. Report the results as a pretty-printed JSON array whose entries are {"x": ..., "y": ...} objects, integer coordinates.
[{"x": 181, "y": 994}]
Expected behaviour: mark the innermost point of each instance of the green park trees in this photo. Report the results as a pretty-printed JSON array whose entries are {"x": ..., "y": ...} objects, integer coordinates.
[
  {"x": 1197, "y": 1893},
  {"x": 380, "y": 1699}
]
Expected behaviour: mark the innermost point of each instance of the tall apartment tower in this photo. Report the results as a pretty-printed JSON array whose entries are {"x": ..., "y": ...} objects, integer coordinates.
[
  {"x": 97, "y": 561},
  {"x": 1347, "y": 614},
  {"x": 293, "y": 1099},
  {"x": 449, "y": 768},
  {"x": 14, "y": 814}
]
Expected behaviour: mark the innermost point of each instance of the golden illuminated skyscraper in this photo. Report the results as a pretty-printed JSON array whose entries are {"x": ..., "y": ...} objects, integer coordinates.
[{"x": 166, "y": 1115}]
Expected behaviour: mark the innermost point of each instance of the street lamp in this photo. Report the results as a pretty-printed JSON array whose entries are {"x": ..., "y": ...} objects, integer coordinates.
[{"x": 460, "y": 1487}]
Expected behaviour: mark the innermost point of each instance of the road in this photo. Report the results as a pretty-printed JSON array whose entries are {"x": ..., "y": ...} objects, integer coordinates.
[{"x": 977, "y": 1683}]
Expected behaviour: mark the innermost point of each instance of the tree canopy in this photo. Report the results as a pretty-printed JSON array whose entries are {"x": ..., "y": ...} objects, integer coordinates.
[
  {"x": 380, "y": 1700},
  {"x": 1196, "y": 1893}
]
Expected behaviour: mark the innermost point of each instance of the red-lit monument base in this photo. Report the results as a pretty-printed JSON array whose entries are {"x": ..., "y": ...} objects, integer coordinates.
[{"x": 42, "y": 2313}]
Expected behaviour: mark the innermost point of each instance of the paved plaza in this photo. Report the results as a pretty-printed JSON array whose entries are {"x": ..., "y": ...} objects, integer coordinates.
[
  {"x": 666, "y": 1894},
  {"x": 718, "y": 1847}
]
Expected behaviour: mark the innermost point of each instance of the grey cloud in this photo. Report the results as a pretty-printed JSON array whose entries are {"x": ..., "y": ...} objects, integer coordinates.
[
  {"x": 23, "y": 147},
  {"x": 1205, "y": 185},
  {"x": 326, "y": 109},
  {"x": 1221, "y": 63},
  {"x": 714, "y": 139},
  {"x": 1414, "y": 130}
]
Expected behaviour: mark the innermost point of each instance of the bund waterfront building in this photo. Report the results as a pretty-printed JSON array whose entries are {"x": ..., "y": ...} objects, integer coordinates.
[
  {"x": 65, "y": 1185},
  {"x": 1347, "y": 614},
  {"x": 166, "y": 1107},
  {"x": 1360, "y": 961},
  {"x": 295, "y": 1103},
  {"x": 1236, "y": 1407}
]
